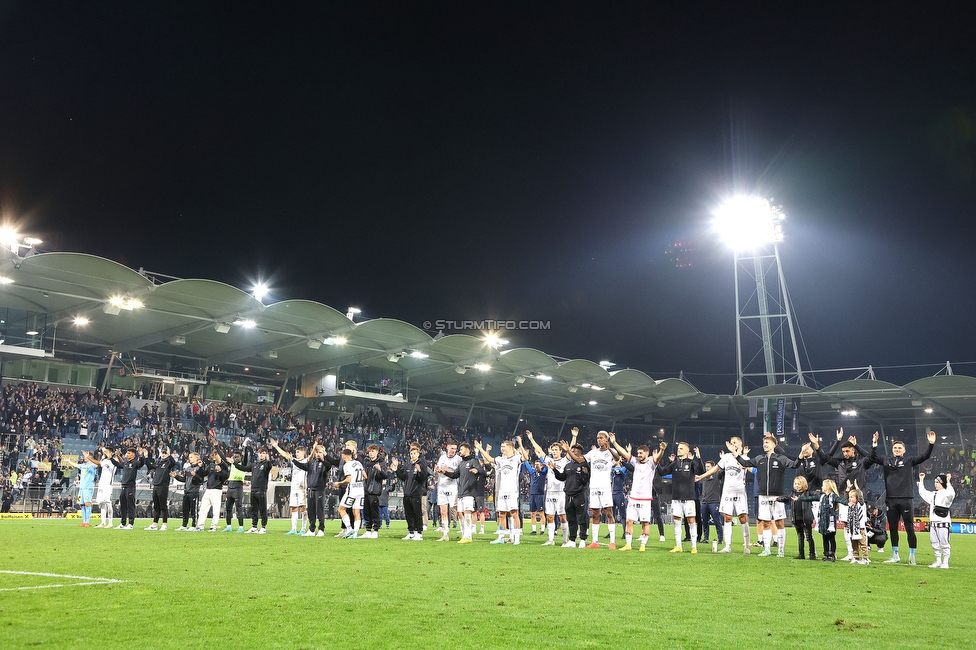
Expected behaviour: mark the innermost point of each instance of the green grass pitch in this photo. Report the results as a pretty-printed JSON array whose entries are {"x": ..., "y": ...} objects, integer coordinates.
[{"x": 210, "y": 590}]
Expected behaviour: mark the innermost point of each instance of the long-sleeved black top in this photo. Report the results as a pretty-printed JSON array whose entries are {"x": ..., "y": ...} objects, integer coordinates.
[
  {"x": 852, "y": 469},
  {"x": 466, "y": 478},
  {"x": 576, "y": 477},
  {"x": 260, "y": 470},
  {"x": 316, "y": 472},
  {"x": 682, "y": 471},
  {"x": 129, "y": 469},
  {"x": 811, "y": 470},
  {"x": 413, "y": 480},
  {"x": 898, "y": 473},
  {"x": 160, "y": 469},
  {"x": 375, "y": 475},
  {"x": 191, "y": 479},
  {"x": 802, "y": 508},
  {"x": 216, "y": 474},
  {"x": 770, "y": 470}
]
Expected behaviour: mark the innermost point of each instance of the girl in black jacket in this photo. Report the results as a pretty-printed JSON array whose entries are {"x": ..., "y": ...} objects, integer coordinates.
[{"x": 802, "y": 516}]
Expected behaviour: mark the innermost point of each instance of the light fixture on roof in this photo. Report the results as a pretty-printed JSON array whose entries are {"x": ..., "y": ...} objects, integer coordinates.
[
  {"x": 259, "y": 291},
  {"x": 246, "y": 323},
  {"x": 619, "y": 397},
  {"x": 916, "y": 402},
  {"x": 706, "y": 409},
  {"x": 491, "y": 340},
  {"x": 117, "y": 303},
  {"x": 573, "y": 389},
  {"x": 606, "y": 365},
  {"x": 929, "y": 410},
  {"x": 31, "y": 332},
  {"x": 177, "y": 340},
  {"x": 417, "y": 354},
  {"x": 585, "y": 384},
  {"x": 81, "y": 321},
  {"x": 32, "y": 241},
  {"x": 661, "y": 404},
  {"x": 596, "y": 387},
  {"x": 483, "y": 367},
  {"x": 394, "y": 357},
  {"x": 272, "y": 354},
  {"x": 335, "y": 340},
  {"x": 220, "y": 328},
  {"x": 460, "y": 369},
  {"x": 353, "y": 312},
  {"x": 5, "y": 280},
  {"x": 849, "y": 413},
  {"x": 520, "y": 379},
  {"x": 314, "y": 344},
  {"x": 592, "y": 402},
  {"x": 542, "y": 377}
]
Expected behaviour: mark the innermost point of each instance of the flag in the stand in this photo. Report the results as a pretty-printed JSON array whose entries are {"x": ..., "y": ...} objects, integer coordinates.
[{"x": 795, "y": 427}]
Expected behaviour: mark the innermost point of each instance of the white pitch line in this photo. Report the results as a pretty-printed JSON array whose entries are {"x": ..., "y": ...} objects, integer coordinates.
[{"x": 91, "y": 580}]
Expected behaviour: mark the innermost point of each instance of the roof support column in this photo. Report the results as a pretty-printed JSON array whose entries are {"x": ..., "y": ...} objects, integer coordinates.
[
  {"x": 521, "y": 412},
  {"x": 108, "y": 372},
  {"x": 468, "y": 419}
]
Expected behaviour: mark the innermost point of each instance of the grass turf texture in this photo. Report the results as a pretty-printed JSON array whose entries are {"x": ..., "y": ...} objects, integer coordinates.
[{"x": 195, "y": 590}]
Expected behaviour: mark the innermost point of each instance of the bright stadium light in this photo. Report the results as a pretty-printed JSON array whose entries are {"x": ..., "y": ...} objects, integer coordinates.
[
  {"x": 483, "y": 367},
  {"x": 246, "y": 323},
  {"x": 259, "y": 291},
  {"x": 746, "y": 222},
  {"x": 80, "y": 321}
]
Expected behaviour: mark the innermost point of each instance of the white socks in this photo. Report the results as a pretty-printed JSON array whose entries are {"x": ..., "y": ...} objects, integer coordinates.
[
  {"x": 565, "y": 528},
  {"x": 677, "y": 533},
  {"x": 628, "y": 539},
  {"x": 551, "y": 530},
  {"x": 693, "y": 534},
  {"x": 746, "y": 536},
  {"x": 613, "y": 534},
  {"x": 345, "y": 521},
  {"x": 594, "y": 532},
  {"x": 727, "y": 533},
  {"x": 294, "y": 520},
  {"x": 767, "y": 540}
]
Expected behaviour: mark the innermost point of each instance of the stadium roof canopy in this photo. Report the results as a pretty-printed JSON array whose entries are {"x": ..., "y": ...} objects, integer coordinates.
[{"x": 205, "y": 324}]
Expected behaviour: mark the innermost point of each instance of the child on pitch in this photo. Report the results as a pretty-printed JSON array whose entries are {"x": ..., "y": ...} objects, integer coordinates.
[
  {"x": 940, "y": 520},
  {"x": 857, "y": 519},
  {"x": 803, "y": 519},
  {"x": 827, "y": 519}
]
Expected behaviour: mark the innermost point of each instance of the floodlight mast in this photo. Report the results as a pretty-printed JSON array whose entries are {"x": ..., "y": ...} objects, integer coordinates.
[{"x": 753, "y": 229}]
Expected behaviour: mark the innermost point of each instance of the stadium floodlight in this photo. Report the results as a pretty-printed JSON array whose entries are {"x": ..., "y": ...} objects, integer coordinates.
[
  {"x": 335, "y": 340},
  {"x": 352, "y": 312},
  {"x": 417, "y": 354},
  {"x": 606, "y": 365},
  {"x": 849, "y": 413},
  {"x": 259, "y": 291},
  {"x": 929, "y": 410},
  {"x": 80, "y": 321},
  {"x": 746, "y": 222},
  {"x": 31, "y": 332},
  {"x": 32, "y": 241},
  {"x": 5, "y": 280},
  {"x": 542, "y": 377},
  {"x": 246, "y": 323},
  {"x": 483, "y": 367},
  {"x": 592, "y": 402},
  {"x": 491, "y": 340}
]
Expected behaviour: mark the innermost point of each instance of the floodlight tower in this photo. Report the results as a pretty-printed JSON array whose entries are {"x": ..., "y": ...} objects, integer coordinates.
[{"x": 765, "y": 340}]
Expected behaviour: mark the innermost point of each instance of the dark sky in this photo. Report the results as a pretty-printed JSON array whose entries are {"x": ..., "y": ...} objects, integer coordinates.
[{"x": 467, "y": 160}]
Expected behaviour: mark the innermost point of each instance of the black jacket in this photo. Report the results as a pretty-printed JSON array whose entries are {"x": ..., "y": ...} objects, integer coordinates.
[
  {"x": 192, "y": 479},
  {"x": 375, "y": 475},
  {"x": 683, "y": 472},
  {"x": 848, "y": 469},
  {"x": 466, "y": 478},
  {"x": 770, "y": 470},
  {"x": 802, "y": 508},
  {"x": 576, "y": 477},
  {"x": 316, "y": 472},
  {"x": 160, "y": 469},
  {"x": 129, "y": 469},
  {"x": 216, "y": 474},
  {"x": 898, "y": 473},
  {"x": 414, "y": 481}
]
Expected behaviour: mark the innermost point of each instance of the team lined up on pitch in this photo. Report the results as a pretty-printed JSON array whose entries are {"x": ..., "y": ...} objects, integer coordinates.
[{"x": 575, "y": 482}]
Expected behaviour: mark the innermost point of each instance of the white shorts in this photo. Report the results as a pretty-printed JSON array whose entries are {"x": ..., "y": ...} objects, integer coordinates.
[
  {"x": 466, "y": 504},
  {"x": 507, "y": 501},
  {"x": 734, "y": 504},
  {"x": 640, "y": 510},
  {"x": 681, "y": 509},
  {"x": 104, "y": 494},
  {"x": 447, "y": 497},
  {"x": 556, "y": 503},
  {"x": 297, "y": 499},
  {"x": 770, "y": 509},
  {"x": 600, "y": 498},
  {"x": 355, "y": 502}
]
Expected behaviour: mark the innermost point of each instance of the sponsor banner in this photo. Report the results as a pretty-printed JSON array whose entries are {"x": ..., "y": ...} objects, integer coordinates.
[
  {"x": 16, "y": 515},
  {"x": 780, "y": 416},
  {"x": 77, "y": 515},
  {"x": 960, "y": 528}
]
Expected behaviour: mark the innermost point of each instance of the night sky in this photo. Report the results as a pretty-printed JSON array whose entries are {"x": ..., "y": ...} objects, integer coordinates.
[{"x": 468, "y": 160}]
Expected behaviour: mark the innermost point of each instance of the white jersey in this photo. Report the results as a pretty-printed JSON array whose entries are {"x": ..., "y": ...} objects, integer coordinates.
[
  {"x": 355, "y": 470},
  {"x": 601, "y": 462},
  {"x": 452, "y": 464},
  {"x": 108, "y": 473},
  {"x": 642, "y": 488},
  {"x": 553, "y": 484},
  {"x": 938, "y": 499},
  {"x": 735, "y": 475},
  {"x": 507, "y": 474},
  {"x": 298, "y": 477}
]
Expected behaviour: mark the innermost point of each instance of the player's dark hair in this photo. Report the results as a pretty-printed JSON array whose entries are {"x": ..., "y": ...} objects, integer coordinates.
[
  {"x": 898, "y": 442},
  {"x": 449, "y": 442},
  {"x": 644, "y": 448},
  {"x": 347, "y": 452},
  {"x": 578, "y": 447},
  {"x": 372, "y": 448},
  {"x": 464, "y": 445}
]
